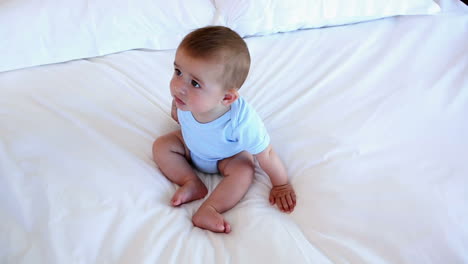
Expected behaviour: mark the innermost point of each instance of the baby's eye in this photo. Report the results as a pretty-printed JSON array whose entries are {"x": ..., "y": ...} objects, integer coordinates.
[
  {"x": 177, "y": 72},
  {"x": 195, "y": 84}
]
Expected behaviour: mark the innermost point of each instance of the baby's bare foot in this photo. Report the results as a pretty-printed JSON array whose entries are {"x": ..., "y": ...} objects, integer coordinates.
[
  {"x": 190, "y": 191},
  {"x": 208, "y": 218}
]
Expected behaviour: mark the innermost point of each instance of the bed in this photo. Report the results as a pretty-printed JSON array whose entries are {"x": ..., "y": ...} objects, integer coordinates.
[{"x": 366, "y": 103}]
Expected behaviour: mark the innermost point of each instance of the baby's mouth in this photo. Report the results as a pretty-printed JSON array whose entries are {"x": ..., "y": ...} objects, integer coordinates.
[{"x": 179, "y": 101}]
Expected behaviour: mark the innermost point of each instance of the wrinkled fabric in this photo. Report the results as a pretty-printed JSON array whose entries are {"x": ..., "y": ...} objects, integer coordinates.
[{"x": 369, "y": 119}]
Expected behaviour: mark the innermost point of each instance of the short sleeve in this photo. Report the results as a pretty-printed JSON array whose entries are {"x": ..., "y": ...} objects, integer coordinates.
[{"x": 251, "y": 131}]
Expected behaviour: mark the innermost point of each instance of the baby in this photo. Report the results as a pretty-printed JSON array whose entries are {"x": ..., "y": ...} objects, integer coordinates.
[{"x": 220, "y": 132}]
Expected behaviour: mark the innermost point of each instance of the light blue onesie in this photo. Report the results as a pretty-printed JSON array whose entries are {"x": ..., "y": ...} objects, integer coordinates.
[{"x": 237, "y": 130}]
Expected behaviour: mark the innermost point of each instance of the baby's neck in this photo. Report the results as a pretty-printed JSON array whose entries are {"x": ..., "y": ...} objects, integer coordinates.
[{"x": 210, "y": 116}]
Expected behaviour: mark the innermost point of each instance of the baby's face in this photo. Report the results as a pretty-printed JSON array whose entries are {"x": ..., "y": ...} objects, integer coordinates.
[{"x": 196, "y": 84}]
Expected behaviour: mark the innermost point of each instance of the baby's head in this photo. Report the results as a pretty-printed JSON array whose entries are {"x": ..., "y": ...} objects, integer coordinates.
[{"x": 222, "y": 46}]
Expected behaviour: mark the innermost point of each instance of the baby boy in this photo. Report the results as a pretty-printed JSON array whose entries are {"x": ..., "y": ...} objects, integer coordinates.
[{"x": 220, "y": 132}]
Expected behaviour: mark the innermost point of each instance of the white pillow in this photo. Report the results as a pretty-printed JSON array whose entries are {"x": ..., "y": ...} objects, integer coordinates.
[
  {"x": 261, "y": 17},
  {"x": 35, "y": 32}
]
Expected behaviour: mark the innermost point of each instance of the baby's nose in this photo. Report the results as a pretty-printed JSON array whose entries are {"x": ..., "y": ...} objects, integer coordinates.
[{"x": 181, "y": 87}]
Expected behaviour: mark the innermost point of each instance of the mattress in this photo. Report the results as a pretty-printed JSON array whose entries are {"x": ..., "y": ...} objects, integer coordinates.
[{"x": 370, "y": 120}]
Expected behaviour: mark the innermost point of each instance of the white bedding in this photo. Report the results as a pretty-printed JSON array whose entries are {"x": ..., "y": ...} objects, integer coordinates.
[{"x": 370, "y": 120}]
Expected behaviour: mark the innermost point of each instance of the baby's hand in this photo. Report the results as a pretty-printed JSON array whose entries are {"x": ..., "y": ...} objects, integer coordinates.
[{"x": 284, "y": 197}]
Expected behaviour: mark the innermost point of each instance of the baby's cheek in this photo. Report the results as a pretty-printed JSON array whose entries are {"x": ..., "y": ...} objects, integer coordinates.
[{"x": 171, "y": 85}]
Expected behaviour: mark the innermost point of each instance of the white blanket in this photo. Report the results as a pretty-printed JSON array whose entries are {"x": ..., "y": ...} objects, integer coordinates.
[{"x": 370, "y": 120}]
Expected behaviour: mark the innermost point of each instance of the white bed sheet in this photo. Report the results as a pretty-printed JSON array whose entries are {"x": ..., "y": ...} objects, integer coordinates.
[{"x": 370, "y": 120}]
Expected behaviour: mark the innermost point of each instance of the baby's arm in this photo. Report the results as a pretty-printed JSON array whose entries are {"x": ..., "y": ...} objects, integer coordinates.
[
  {"x": 174, "y": 111},
  {"x": 282, "y": 192}
]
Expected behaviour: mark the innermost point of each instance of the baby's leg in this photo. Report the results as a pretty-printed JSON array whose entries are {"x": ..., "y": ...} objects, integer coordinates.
[
  {"x": 171, "y": 155},
  {"x": 238, "y": 172}
]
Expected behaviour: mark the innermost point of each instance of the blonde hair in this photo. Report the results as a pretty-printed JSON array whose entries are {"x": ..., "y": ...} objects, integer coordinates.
[{"x": 223, "y": 45}]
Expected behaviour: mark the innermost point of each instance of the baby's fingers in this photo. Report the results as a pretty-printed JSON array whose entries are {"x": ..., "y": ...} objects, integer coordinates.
[
  {"x": 282, "y": 204},
  {"x": 284, "y": 197},
  {"x": 272, "y": 199},
  {"x": 285, "y": 205},
  {"x": 291, "y": 202},
  {"x": 278, "y": 203}
]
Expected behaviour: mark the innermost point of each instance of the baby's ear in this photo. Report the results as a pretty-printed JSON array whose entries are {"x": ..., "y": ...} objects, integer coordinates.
[{"x": 230, "y": 96}]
